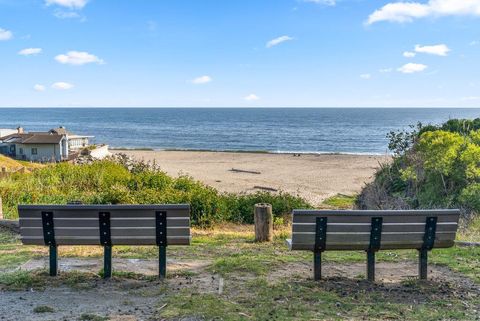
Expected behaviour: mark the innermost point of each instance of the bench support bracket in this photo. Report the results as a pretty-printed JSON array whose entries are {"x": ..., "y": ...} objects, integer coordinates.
[
  {"x": 320, "y": 242},
  {"x": 317, "y": 266},
  {"x": 107, "y": 261},
  {"x": 161, "y": 238},
  {"x": 49, "y": 239},
  {"x": 53, "y": 260},
  {"x": 423, "y": 264},
  {"x": 371, "y": 265},
  {"x": 428, "y": 243},
  {"x": 375, "y": 241},
  {"x": 162, "y": 261},
  {"x": 106, "y": 241}
]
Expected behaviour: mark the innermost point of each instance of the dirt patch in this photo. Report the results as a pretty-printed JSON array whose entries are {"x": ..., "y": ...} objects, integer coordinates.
[
  {"x": 396, "y": 282},
  {"x": 138, "y": 266},
  {"x": 117, "y": 298},
  {"x": 132, "y": 299},
  {"x": 385, "y": 272}
]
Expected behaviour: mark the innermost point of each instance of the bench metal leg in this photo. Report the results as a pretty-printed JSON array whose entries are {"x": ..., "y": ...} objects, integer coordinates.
[
  {"x": 162, "y": 261},
  {"x": 371, "y": 265},
  {"x": 317, "y": 266},
  {"x": 53, "y": 260},
  {"x": 423, "y": 263},
  {"x": 107, "y": 261}
]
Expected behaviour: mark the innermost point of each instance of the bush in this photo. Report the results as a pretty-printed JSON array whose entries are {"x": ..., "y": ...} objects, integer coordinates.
[
  {"x": 123, "y": 181},
  {"x": 433, "y": 166}
]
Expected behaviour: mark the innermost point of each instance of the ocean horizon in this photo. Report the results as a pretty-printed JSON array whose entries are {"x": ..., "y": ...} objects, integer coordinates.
[{"x": 269, "y": 130}]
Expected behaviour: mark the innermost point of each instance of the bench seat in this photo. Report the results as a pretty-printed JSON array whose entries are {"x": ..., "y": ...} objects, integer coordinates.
[
  {"x": 106, "y": 225},
  {"x": 371, "y": 231}
]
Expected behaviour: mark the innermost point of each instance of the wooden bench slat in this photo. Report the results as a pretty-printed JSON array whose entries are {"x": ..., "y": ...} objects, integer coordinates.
[
  {"x": 93, "y": 213},
  {"x": 155, "y": 207},
  {"x": 365, "y": 227},
  {"x": 384, "y": 213},
  {"x": 115, "y": 241},
  {"x": 345, "y": 218},
  {"x": 88, "y": 231},
  {"x": 364, "y": 247},
  {"x": 115, "y": 222},
  {"x": 353, "y": 238}
]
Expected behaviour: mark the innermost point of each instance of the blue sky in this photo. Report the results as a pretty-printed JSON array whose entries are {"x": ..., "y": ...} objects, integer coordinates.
[{"x": 239, "y": 53}]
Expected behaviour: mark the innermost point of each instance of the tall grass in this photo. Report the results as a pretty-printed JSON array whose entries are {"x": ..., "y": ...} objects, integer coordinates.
[{"x": 119, "y": 182}]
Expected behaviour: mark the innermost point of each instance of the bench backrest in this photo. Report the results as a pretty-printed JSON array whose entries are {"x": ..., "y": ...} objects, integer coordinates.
[
  {"x": 350, "y": 230},
  {"x": 127, "y": 224}
]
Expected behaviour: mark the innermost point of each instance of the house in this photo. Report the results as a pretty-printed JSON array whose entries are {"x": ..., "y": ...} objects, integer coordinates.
[
  {"x": 56, "y": 145},
  {"x": 7, "y": 131}
]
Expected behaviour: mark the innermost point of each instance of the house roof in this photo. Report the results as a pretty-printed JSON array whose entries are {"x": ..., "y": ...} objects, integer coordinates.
[
  {"x": 33, "y": 138},
  {"x": 53, "y": 136},
  {"x": 60, "y": 131}
]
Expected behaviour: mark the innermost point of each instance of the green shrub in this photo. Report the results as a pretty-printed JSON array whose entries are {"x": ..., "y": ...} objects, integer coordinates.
[
  {"x": 433, "y": 166},
  {"x": 43, "y": 309},
  {"x": 127, "y": 182}
]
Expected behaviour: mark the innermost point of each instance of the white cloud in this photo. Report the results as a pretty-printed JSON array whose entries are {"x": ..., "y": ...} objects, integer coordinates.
[
  {"x": 474, "y": 43},
  {"x": 438, "y": 50},
  {"x": 62, "y": 85},
  {"x": 252, "y": 97},
  {"x": 277, "y": 41},
  {"x": 385, "y": 70},
  {"x": 408, "y": 11},
  {"x": 366, "y": 76},
  {"x": 60, "y": 14},
  {"x": 409, "y": 54},
  {"x": 72, "y": 4},
  {"x": 78, "y": 58},
  {"x": 38, "y": 87},
  {"x": 202, "y": 80},
  {"x": 5, "y": 34},
  {"x": 30, "y": 51},
  {"x": 324, "y": 2},
  {"x": 411, "y": 68}
]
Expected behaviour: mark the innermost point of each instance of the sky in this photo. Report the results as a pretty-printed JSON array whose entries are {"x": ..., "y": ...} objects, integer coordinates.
[{"x": 239, "y": 53}]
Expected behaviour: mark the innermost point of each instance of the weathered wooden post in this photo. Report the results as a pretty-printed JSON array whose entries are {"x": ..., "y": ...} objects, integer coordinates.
[{"x": 263, "y": 223}]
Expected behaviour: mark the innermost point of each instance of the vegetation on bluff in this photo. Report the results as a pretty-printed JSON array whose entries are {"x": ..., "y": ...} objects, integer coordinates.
[
  {"x": 123, "y": 181},
  {"x": 433, "y": 167}
]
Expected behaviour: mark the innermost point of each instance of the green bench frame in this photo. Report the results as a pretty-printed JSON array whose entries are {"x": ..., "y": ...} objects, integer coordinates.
[
  {"x": 372, "y": 231},
  {"x": 105, "y": 225}
]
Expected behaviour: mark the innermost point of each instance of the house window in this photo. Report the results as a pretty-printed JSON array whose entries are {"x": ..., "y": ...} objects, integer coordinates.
[
  {"x": 34, "y": 151},
  {"x": 21, "y": 151}
]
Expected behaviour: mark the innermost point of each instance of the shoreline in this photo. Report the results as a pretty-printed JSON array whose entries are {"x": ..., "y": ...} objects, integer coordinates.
[
  {"x": 314, "y": 177},
  {"x": 148, "y": 149}
]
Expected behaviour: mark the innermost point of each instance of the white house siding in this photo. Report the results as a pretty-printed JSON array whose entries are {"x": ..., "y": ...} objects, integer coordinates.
[
  {"x": 45, "y": 152},
  {"x": 77, "y": 143}
]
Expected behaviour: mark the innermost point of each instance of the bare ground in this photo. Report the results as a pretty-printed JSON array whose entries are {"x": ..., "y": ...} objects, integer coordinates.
[{"x": 132, "y": 299}]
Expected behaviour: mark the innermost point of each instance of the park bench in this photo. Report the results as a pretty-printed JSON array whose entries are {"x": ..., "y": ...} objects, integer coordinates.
[
  {"x": 105, "y": 225},
  {"x": 371, "y": 231}
]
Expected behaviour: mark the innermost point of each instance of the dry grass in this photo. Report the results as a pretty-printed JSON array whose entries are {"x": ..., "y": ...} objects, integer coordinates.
[{"x": 13, "y": 165}]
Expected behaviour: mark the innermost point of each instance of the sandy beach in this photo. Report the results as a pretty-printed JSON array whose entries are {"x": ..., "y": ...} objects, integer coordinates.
[{"x": 314, "y": 177}]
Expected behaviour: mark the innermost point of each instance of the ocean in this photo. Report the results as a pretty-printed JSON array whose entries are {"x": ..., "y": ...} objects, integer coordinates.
[{"x": 277, "y": 130}]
